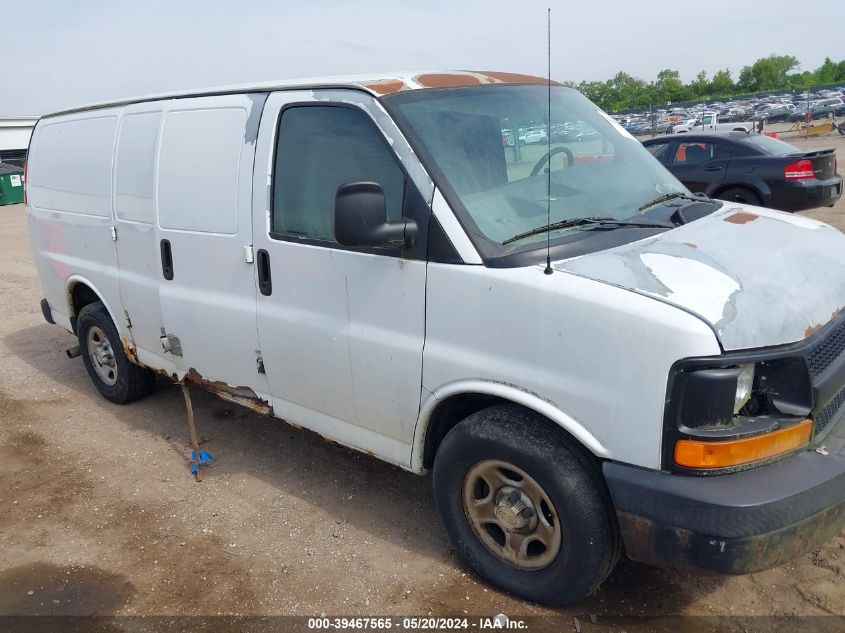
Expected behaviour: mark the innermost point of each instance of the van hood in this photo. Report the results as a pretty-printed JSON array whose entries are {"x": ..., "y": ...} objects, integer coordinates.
[{"x": 758, "y": 277}]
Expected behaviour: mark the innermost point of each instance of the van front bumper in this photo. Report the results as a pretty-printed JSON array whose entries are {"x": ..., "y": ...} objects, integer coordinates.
[{"x": 735, "y": 523}]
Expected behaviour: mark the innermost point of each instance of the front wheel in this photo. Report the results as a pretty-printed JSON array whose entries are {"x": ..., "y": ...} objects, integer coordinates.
[
  {"x": 525, "y": 510},
  {"x": 113, "y": 374}
]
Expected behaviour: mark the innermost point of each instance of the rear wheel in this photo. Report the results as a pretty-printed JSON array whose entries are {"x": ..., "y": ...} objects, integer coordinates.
[
  {"x": 740, "y": 194},
  {"x": 112, "y": 373},
  {"x": 525, "y": 509}
]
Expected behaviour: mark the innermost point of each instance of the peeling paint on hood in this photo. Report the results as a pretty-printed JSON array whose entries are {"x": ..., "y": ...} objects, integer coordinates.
[{"x": 758, "y": 277}]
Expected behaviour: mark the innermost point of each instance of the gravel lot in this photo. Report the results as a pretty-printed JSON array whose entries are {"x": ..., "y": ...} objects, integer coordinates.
[{"x": 99, "y": 514}]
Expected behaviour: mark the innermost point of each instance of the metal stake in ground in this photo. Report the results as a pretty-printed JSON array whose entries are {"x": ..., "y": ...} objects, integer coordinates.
[{"x": 197, "y": 459}]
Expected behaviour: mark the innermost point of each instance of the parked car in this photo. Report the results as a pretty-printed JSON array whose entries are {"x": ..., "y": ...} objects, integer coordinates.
[
  {"x": 529, "y": 137},
  {"x": 585, "y": 355},
  {"x": 638, "y": 128},
  {"x": 564, "y": 133},
  {"x": 661, "y": 126},
  {"x": 817, "y": 110},
  {"x": 774, "y": 113},
  {"x": 751, "y": 168},
  {"x": 526, "y": 136},
  {"x": 709, "y": 122},
  {"x": 581, "y": 131}
]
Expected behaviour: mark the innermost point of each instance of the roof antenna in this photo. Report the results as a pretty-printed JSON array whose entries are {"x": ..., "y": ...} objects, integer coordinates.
[{"x": 548, "y": 269}]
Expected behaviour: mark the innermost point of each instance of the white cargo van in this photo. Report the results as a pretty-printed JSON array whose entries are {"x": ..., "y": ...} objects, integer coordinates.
[{"x": 585, "y": 355}]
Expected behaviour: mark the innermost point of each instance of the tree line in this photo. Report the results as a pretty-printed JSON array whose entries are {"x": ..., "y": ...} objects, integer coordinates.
[{"x": 772, "y": 73}]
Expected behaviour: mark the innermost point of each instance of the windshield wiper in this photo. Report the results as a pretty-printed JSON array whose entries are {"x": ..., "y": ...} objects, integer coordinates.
[
  {"x": 666, "y": 197},
  {"x": 565, "y": 224}
]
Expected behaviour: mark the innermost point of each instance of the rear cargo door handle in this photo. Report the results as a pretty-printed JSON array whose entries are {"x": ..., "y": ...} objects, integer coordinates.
[
  {"x": 265, "y": 279},
  {"x": 166, "y": 259},
  {"x": 713, "y": 168}
]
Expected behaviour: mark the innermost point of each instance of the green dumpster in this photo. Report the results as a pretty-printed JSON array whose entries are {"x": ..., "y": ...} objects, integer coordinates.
[{"x": 11, "y": 184}]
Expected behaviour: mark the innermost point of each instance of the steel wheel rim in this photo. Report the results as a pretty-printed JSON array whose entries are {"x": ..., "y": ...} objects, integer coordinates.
[
  {"x": 101, "y": 354},
  {"x": 511, "y": 514}
]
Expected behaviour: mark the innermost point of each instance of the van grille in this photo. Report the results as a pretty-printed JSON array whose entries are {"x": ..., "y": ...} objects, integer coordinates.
[
  {"x": 827, "y": 351},
  {"x": 829, "y": 412}
]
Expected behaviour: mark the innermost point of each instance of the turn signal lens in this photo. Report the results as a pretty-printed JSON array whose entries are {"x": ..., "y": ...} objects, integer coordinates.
[{"x": 700, "y": 454}]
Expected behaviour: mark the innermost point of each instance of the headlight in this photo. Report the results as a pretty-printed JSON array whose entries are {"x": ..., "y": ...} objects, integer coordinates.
[
  {"x": 744, "y": 382},
  {"x": 737, "y": 414}
]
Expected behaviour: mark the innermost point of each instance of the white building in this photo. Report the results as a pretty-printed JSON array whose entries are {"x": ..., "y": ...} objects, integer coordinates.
[{"x": 14, "y": 138}]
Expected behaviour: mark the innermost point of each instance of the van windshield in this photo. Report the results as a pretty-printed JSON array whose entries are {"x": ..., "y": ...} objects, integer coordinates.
[{"x": 489, "y": 150}]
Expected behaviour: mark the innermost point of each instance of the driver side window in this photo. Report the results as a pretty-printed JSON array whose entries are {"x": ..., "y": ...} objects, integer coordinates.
[{"x": 319, "y": 148}]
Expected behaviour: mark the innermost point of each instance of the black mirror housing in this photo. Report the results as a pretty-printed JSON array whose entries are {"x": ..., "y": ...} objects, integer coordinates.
[{"x": 360, "y": 218}]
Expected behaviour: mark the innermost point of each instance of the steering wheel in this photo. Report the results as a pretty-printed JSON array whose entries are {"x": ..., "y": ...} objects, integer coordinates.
[{"x": 570, "y": 158}]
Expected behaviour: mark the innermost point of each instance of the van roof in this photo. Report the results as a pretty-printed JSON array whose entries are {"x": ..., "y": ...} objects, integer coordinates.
[{"x": 376, "y": 84}]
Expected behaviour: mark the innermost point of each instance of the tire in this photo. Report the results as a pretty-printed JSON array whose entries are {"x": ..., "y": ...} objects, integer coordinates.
[
  {"x": 112, "y": 373},
  {"x": 502, "y": 443},
  {"x": 740, "y": 194}
]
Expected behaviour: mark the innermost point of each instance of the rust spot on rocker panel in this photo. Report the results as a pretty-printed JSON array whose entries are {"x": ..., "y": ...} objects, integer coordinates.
[
  {"x": 741, "y": 217},
  {"x": 243, "y": 396},
  {"x": 129, "y": 350}
]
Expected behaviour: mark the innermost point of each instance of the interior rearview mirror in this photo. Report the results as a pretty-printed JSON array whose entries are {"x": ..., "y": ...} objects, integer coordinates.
[{"x": 360, "y": 218}]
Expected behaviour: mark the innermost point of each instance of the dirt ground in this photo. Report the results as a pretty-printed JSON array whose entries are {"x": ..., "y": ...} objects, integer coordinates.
[{"x": 100, "y": 515}]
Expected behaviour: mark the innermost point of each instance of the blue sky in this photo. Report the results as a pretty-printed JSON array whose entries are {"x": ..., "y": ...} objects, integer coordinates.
[{"x": 60, "y": 54}]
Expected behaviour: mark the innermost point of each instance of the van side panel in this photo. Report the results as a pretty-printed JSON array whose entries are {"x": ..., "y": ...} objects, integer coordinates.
[
  {"x": 592, "y": 357},
  {"x": 135, "y": 218},
  {"x": 69, "y": 207},
  {"x": 198, "y": 169},
  {"x": 204, "y": 203}
]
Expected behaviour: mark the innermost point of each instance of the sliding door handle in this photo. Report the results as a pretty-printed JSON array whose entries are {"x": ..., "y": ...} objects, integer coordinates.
[
  {"x": 265, "y": 277},
  {"x": 166, "y": 259}
]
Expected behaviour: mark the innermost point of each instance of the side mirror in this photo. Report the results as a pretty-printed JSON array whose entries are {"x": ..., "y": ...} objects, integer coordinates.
[{"x": 360, "y": 218}]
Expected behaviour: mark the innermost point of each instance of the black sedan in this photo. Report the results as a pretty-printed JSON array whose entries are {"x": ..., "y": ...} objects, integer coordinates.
[{"x": 751, "y": 168}]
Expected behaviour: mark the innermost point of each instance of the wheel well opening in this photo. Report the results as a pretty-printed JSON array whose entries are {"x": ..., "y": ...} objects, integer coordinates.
[
  {"x": 80, "y": 296},
  {"x": 725, "y": 188},
  {"x": 453, "y": 410},
  {"x": 447, "y": 414}
]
